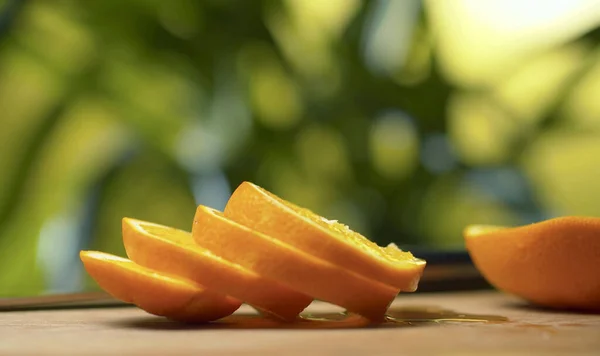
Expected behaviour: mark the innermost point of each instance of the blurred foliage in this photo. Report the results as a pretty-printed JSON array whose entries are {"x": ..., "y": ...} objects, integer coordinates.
[{"x": 405, "y": 119}]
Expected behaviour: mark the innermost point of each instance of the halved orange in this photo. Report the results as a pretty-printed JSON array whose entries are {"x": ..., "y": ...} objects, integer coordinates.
[
  {"x": 173, "y": 251},
  {"x": 258, "y": 209},
  {"x": 554, "y": 263},
  {"x": 155, "y": 292},
  {"x": 298, "y": 270}
]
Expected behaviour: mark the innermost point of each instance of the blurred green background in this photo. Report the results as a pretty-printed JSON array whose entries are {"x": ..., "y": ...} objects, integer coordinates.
[{"x": 406, "y": 120}]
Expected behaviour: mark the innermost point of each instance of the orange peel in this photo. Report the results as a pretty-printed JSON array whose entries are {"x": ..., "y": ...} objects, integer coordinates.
[
  {"x": 155, "y": 292},
  {"x": 554, "y": 263}
]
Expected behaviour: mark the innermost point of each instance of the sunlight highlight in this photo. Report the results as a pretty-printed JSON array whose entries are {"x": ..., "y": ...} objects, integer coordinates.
[{"x": 478, "y": 41}]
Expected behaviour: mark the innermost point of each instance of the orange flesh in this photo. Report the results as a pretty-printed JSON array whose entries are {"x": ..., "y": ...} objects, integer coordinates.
[{"x": 389, "y": 253}]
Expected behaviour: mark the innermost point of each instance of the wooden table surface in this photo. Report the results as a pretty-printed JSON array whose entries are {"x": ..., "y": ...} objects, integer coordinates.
[{"x": 127, "y": 330}]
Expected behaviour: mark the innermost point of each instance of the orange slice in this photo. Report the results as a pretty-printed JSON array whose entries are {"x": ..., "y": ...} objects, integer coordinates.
[
  {"x": 155, "y": 292},
  {"x": 173, "y": 251},
  {"x": 329, "y": 240},
  {"x": 296, "y": 269},
  {"x": 555, "y": 263}
]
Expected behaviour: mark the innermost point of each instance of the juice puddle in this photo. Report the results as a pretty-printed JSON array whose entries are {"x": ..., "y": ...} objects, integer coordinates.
[
  {"x": 421, "y": 315},
  {"x": 306, "y": 321},
  {"x": 396, "y": 317}
]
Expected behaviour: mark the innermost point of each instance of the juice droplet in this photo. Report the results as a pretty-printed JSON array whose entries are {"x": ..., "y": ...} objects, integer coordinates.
[
  {"x": 325, "y": 317},
  {"x": 334, "y": 320}
]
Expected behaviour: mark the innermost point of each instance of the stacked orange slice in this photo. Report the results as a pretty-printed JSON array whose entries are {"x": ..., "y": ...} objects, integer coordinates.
[
  {"x": 263, "y": 251},
  {"x": 157, "y": 293}
]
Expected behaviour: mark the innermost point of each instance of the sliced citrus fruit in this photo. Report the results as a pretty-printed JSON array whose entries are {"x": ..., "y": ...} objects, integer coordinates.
[
  {"x": 296, "y": 269},
  {"x": 173, "y": 251},
  {"x": 554, "y": 263},
  {"x": 154, "y": 292},
  {"x": 258, "y": 209}
]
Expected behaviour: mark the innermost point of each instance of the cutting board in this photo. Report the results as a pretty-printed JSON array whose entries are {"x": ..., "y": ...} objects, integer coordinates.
[{"x": 450, "y": 323}]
